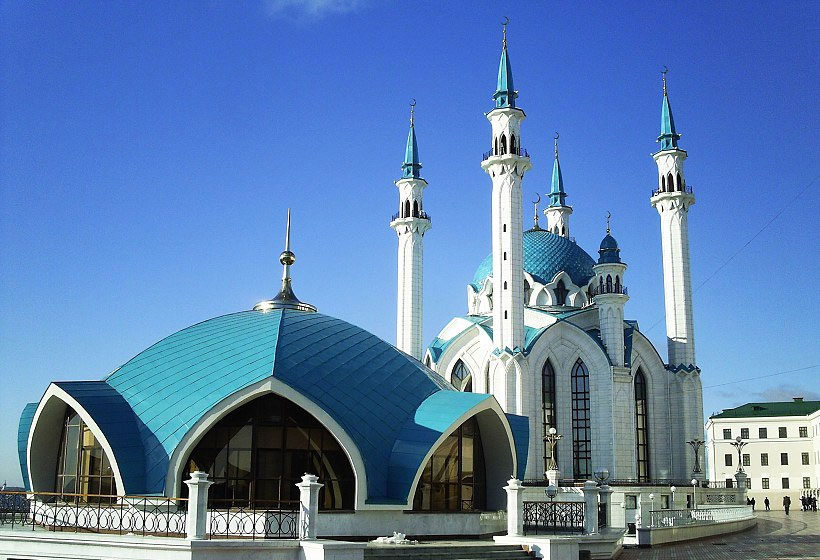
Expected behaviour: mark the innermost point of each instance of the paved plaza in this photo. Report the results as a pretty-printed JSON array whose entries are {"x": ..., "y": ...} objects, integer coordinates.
[{"x": 776, "y": 535}]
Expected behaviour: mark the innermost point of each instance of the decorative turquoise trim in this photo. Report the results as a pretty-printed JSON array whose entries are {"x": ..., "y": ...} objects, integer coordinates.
[{"x": 23, "y": 429}]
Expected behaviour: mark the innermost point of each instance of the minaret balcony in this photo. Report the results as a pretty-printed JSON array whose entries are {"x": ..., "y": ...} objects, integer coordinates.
[
  {"x": 608, "y": 289},
  {"x": 519, "y": 152},
  {"x": 418, "y": 215},
  {"x": 686, "y": 190}
]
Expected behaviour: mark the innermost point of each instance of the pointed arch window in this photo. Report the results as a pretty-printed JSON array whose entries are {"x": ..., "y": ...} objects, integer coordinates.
[
  {"x": 641, "y": 426},
  {"x": 680, "y": 183},
  {"x": 406, "y": 209},
  {"x": 461, "y": 376},
  {"x": 670, "y": 182},
  {"x": 495, "y": 146},
  {"x": 454, "y": 479},
  {"x": 257, "y": 454},
  {"x": 84, "y": 472},
  {"x": 617, "y": 284},
  {"x": 560, "y": 293},
  {"x": 663, "y": 183},
  {"x": 609, "y": 283},
  {"x": 415, "y": 209},
  {"x": 512, "y": 144},
  {"x": 503, "y": 144},
  {"x": 548, "y": 407},
  {"x": 581, "y": 422}
]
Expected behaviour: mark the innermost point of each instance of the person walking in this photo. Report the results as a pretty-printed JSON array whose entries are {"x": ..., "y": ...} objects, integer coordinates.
[
  {"x": 787, "y": 502},
  {"x": 766, "y": 503},
  {"x": 752, "y": 502}
]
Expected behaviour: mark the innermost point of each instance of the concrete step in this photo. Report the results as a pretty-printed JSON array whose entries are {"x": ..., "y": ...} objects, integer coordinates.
[{"x": 454, "y": 551}]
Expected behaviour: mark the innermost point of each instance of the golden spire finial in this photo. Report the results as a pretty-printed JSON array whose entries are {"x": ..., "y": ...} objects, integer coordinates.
[
  {"x": 608, "y": 216},
  {"x": 663, "y": 73},
  {"x": 412, "y": 112},
  {"x": 505, "y": 23},
  {"x": 555, "y": 144}
]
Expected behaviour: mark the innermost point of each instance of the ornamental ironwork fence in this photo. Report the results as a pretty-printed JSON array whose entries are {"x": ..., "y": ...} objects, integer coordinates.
[
  {"x": 420, "y": 215},
  {"x": 94, "y": 513},
  {"x": 687, "y": 189},
  {"x": 518, "y": 152},
  {"x": 678, "y": 517},
  {"x": 553, "y": 517},
  {"x": 260, "y": 520}
]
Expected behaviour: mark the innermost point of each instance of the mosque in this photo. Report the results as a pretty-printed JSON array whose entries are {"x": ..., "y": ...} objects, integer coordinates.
[{"x": 256, "y": 398}]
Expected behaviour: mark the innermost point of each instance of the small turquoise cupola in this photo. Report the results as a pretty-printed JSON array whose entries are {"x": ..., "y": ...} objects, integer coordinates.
[
  {"x": 669, "y": 136},
  {"x": 609, "y": 251},
  {"x": 505, "y": 93},
  {"x": 557, "y": 194},
  {"x": 411, "y": 166}
]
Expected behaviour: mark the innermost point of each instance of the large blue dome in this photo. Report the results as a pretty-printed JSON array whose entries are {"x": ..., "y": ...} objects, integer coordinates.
[{"x": 545, "y": 255}]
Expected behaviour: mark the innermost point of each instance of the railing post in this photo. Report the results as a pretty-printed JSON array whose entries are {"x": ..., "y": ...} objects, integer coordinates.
[
  {"x": 606, "y": 494},
  {"x": 308, "y": 506},
  {"x": 196, "y": 521},
  {"x": 515, "y": 507},
  {"x": 741, "y": 477},
  {"x": 590, "y": 507}
]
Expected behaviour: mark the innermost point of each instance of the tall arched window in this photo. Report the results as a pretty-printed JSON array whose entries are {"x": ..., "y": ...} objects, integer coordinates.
[
  {"x": 617, "y": 284},
  {"x": 560, "y": 293},
  {"x": 670, "y": 182},
  {"x": 83, "y": 467},
  {"x": 454, "y": 479},
  {"x": 609, "y": 283},
  {"x": 512, "y": 144},
  {"x": 258, "y": 452},
  {"x": 415, "y": 208},
  {"x": 461, "y": 376},
  {"x": 548, "y": 408},
  {"x": 406, "y": 209},
  {"x": 495, "y": 146},
  {"x": 503, "y": 144},
  {"x": 581, "y": 423},
  {"x": 663, "y": 183},
  {"x": 641, "y": 426},
  {"x": 680, "y": 183}
]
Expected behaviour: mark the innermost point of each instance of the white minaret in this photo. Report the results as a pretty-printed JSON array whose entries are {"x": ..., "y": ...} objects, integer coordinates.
[
  {"x": 506, "y": 164},
  {"x": 610, "y": 297},
  {"x": 672, "y": 199},
  {"x": 410, "y": 222},
  {"x": 557, "y": 212}
]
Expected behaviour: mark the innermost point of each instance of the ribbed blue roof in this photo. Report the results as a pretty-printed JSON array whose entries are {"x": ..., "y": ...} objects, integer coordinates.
[
  {"x": 376, "y": 393},
  {"x": 609, "y": 251},
  {"x": 545, "y": 255},
  {"x": 23, "y": 428}
]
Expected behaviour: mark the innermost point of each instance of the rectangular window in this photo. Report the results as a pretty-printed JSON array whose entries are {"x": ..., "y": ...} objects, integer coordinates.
[
  {"x": 744, "y": 433},
  {"x": 781, "y": 432},
  {"x": 764, "y": 459},
  {"x": 784, "y": 458},
  {"x": 804, "y": 431},
  {"x": 730, "y": 483},
  {"x": 631, "y": 501},
  {"x": 762, "y": 433},
  {"x": 664, "y": 501},
  {"x": 727, "y": 459},
  {"x": 784, "y": 483},
  {"x": 804, "y": 458},
  {"x": 727, "y": 433},
  {"x": 806, "y": 482},
  {"x": 748, "y": 484},
  {"x": 747, "y": 460},
  {"x": 764, "y": 483}
]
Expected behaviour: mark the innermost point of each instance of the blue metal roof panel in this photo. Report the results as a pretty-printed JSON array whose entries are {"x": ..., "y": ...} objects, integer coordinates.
[{"x": 23, "y": 429}]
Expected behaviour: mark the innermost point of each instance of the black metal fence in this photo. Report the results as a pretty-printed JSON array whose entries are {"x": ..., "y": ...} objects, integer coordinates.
[
  {"x": 260, "y": 520},
  {"x": 553, "y": 517},
  {"x": 94, "y": 513}
]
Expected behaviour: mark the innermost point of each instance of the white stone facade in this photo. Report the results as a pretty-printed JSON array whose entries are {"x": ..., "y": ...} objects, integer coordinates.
[{"x": 798, "y": 437}]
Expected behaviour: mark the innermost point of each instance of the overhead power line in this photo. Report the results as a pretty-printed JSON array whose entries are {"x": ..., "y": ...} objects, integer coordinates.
[{"x": 762, "y": 376}]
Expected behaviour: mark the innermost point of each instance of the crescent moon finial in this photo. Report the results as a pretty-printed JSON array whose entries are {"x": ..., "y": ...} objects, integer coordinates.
[
  {"x": 538, "y": 201},
  {"x": 412, "y": 111},
  {"x": 505, "y": 23},
  {"x": 555, "y": 143},
  {"x": 535, "y": 215},
  {"x": 663, "y": 73},
  {"x": 608, "y": 216}
]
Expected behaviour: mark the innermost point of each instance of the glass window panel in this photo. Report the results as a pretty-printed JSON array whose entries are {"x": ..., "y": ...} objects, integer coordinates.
[
  {"x": 297, "y": 438},
  {"x": 241, "y": 438}
]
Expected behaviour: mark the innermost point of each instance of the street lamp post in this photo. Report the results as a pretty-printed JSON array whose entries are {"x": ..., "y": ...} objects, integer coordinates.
[
  {"x": 696, "y": 444},
  {"x": 694, "y": 493},
  {"x": 551, "y": 439},
  {"x": 551, "y": 492},
  {"x": 739, "y": 444},
  {"x": 672, "y": 489},
  {"x": 652, "y": 499}
]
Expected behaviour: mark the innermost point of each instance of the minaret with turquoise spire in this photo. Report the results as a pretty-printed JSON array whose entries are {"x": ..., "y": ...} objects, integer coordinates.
[
  {"x": 557, "y": 212},
  {"x": 506, "y": 164},
  {"x": 672, "y": 200},
  {"x": 411, "y": 222}
]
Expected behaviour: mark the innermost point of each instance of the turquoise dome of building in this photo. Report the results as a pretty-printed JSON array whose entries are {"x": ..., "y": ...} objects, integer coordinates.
[
  {"x": 609, "y": 251},
  {"x": 391, "y": 406},
  {"x": 545, "y": 255}
]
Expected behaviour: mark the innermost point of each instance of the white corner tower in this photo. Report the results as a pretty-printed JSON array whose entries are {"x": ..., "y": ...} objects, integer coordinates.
[
  {"x": 672, "y": 199},
  {"x": 557, "y": 212},
  {"x": 410, "y": 223},
  {"x": 506, "y": 164},
  {"x": 611, "y": 297}
]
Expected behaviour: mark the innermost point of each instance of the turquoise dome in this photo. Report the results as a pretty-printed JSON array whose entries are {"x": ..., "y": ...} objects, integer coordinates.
[
  {"x": 609, "y": 251},
  {"x": 545, "y": 255}
]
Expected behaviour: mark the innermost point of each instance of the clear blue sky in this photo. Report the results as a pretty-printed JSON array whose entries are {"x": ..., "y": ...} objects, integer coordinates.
[{"x": 149, "y": 150}]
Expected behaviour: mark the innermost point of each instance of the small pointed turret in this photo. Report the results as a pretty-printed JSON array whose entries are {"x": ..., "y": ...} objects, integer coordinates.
[
  {"x": 557, "y": 194},
  {"x": 669, "y": 136},
  {"x": 505, "y": 93},
  {"x": 411, "y": 166},
  {"x": 285, "y": 299}
]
